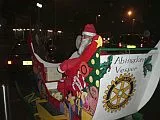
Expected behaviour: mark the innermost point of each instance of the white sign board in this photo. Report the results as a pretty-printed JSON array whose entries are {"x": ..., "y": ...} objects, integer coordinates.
[{"x": 128, "y": 85}]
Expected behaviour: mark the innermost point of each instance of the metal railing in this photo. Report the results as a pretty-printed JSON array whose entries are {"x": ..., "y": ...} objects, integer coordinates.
[{"x": 127, "y": 49}]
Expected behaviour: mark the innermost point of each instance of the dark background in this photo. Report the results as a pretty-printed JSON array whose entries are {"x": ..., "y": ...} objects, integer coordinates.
[{"x": 70, "y": 16}]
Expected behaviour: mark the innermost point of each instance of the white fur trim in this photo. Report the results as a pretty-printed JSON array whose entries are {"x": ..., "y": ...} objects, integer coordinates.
[
  {"x": 59, "y": 70},
  {"x": 88, "y": 33},
  {"x": 61, "y": 80}
]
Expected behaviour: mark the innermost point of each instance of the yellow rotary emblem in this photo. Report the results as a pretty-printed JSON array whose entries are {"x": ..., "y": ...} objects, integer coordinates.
[{"x": 119, "y": 92}]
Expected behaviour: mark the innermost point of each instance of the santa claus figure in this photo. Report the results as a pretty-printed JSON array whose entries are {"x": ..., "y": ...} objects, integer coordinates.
[{"x": 75, "y": 80}]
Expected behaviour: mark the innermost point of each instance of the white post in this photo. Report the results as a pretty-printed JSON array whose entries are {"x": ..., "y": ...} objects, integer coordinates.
[{"x": 5, "y": 103}]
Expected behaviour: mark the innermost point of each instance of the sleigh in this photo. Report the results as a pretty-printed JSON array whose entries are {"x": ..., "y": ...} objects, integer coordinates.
[{"x": 117, "y": 84}]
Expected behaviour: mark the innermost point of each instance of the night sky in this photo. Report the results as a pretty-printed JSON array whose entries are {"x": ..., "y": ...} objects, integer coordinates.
[
  {"x": 76, "y": 13},
  {"x": 70, "y": 16}
]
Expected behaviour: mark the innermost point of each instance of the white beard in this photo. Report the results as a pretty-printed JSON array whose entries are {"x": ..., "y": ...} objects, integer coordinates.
[
  {"x": 78, "y": 41},
  {"x": 83, "y": 45}
]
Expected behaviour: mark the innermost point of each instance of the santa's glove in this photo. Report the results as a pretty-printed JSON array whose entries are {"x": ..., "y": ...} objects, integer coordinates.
[
  {"x": 68, "y": 64},
  {"x": 63, "y": 77},
  {"x": 60, "y": 70},
  {"x": 61, "y": 80}
]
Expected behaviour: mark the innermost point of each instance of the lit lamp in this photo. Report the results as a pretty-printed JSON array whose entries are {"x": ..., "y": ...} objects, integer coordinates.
[
  {"x": 39, "y": 5},
  {"x": 129, "y": 13},
  {"x": 9, "y": 62},
  {"x": 97, "y": 16}
]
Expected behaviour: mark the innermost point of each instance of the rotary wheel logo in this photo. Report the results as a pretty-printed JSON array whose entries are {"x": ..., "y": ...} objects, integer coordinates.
[{"x": 119, "y": 92}]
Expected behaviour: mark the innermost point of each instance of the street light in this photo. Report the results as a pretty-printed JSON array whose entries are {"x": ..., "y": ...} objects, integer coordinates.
[
  {"x": 133, "y": 21},
  {"x": 97, "y": 17},
  {"x": 129, "y": 13},
  {"x": 39, "y": 5}
]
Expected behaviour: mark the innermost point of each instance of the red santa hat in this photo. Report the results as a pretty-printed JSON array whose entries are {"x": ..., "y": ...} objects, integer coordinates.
[{"x": 89, "y": 30}]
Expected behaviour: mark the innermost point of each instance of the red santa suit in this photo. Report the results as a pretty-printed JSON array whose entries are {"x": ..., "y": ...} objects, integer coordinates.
[{"x": 75, "y": 81}]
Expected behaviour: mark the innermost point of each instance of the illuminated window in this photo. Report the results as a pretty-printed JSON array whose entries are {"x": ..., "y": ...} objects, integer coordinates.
[
  {"x": 27, "y": 62},
  {"x": 9, "y": 62}
]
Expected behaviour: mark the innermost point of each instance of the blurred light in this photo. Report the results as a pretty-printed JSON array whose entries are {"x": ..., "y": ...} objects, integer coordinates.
[
  {"x": 50, "y": 30},
  {"x": 40, "y": 30},
  {"x": 39, "y": 5},
  {"x": 131, "y": 46},
  {"x": 16, "y": 55},
  {"x": 19, "y": 44},
  {"x": 122, "y": 21},
  {"x": 108, "y": 38},
  {"x": 59, "y": 31},
  {"x": 104, "y": 38},
  {"x": 51, "y": 49},
  {"x": 141, "y": 45},
  {"x": 99, "y": 15},
  {"x": 27, "y": 62},
  {"x": 9, "y": 62},
  {"x": 19, "y": 29},
  {"x": 119, "y": 44},
  {"x": 129, "y": 13},
  {"x": 0, "y": 25},
  {"x": 32, "y": 29}
]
